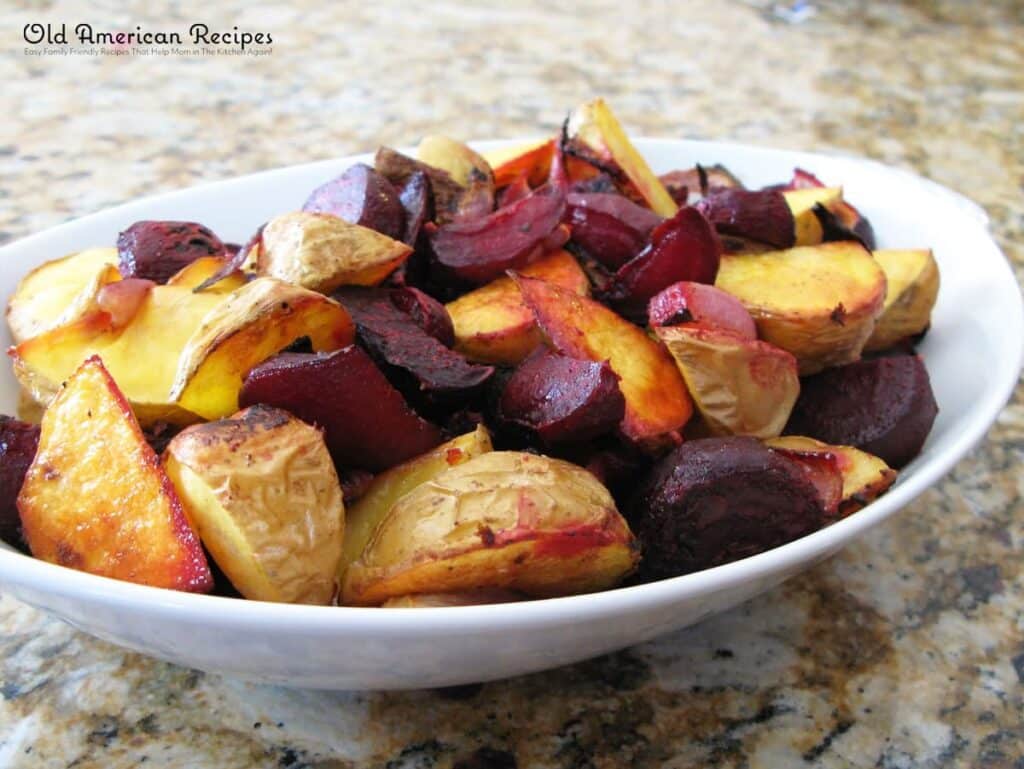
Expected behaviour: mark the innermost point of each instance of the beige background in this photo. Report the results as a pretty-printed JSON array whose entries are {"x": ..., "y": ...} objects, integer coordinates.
[{"x": 905, "y": 650}]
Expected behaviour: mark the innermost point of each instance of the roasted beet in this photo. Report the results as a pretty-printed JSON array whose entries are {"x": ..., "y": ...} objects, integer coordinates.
[
  {"x": 684, "y": 184},
  {"x": 155, "y": 250},
  {"x": 611, "y": 228},
  {"x": 428, "y": 313},
  {"x": 822, "y": 469},
  {"x": 716, "y": 500},
  {"x": 235, "y": 261},
  {"x": 446, "y": 193},
  {"x": 18, "y": 443},
  {"x": 761, "y": 215},
  {"x": 516, "y": 190},
  {"x": 884, "y": 406},
  {"x": 361, "y": 196},
  {"x": 366, "y": 422},
  {"x": 562, "y": 399},
  {"x": 414, "y": 195},
  {"x": 684, "y": 247},
  {"x": 419, "y": 364},
  {"x": 481, "y": 250},
  {"x": 686, "y": 301}
]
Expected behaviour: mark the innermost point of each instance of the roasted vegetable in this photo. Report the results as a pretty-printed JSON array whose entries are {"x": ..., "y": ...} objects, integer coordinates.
[
  {"x": 657, "y": 403},
  {"x": 421, "y": 366},
  {"x": 560, "y": 399},
  {"x": 204, "y": 268},
  {"x": 96, "y": 498},
  {"x": 361, "y": 196},
  {"x": 883, "y": 406},
  {"x": 467, "y": 168},
  {"x": 740, "y": 386},
  {"x": 865, "y": 476},
  {"x": 428, "y": 313},
  {"x": 913, "y": 280},
  {"x": 366, "y": 422},
  {"x": 716, "y": 500},
  {"x": 686, "y": 302},
  {"x": 60, "y": 292},
  {"x": 532, "y": 159},
  {"x": 611, "y": 228},
  {"x": 155, "y": 250},
  {"x": 760, "y": 215},
  {"x": 493, "y": 325},
  {"x": 594, "y": 125},
  {"x": 817, "y": 302},
  {"x": 322, "y": 252},
  {"x": 507, "y": 520},
  {"x": 18, "y": 444},
  {"x": 362, "y": 518},
  {"x": 446, "y": 193},
  {"x": 802, "y": 203},
  {"x": 262, "y": 492},
  {"x": 482, "y": 249}
]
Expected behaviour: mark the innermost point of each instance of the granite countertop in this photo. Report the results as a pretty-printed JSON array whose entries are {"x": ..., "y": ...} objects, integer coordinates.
[{"x": 906, "y": 650}]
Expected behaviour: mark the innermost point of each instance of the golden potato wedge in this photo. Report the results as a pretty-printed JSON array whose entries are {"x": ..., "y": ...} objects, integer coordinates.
[
  {"x": 462, "y": 163},
  {"x": 596, "y": 126},
  {"x": 913, "y": 278},
  {"x": 142, "y": 356},
  {"x": 801, "y": 202},
  {"x": 865, "y": 476},
  {"x": 657, "y": 401},
  {"x": 60, "y": 291},
  {"x": 740, "y": 386},
  {"x": 202, "y": 269},
  {"x": 96, "y": 498},
  {"x": 262, "y": 491},
  {"x": 322, "y": 252},
  {"x": 817, "y": 302},
  {"x": 492, "y": 325},
  {"x": 505, "y": 519},
  {"x": 252, "y": 323},
  {"x": 385, "y": 489}
]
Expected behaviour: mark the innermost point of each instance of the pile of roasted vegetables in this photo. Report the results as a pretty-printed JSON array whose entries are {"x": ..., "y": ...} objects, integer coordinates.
[{"x": 453, "y": 379}]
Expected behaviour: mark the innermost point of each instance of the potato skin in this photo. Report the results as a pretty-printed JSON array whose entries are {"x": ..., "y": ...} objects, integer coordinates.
[
  {"x": 716, "y": 500},
  {"x": 913, "y": 277},
  {"x": 264, "y": 495},
  {"x": 504, "y": 519}
]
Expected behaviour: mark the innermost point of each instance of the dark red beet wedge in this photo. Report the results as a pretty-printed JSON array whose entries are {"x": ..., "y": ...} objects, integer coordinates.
[
  {"x": 562, "y": 399},
  {"x": 716, "y": 500},
  {"x": 611, "y": 228},
  {"x": 419, "y": 364},
  {"x": 361, "y": 196},
  {"x": 156, "y": 250},
  {"x": 366, "y": 422},
  {"x": 684, "y": 247},
  {"x": 428, "y": 313},
  {"x": 18, "y": 444},
  {"x": 481, "y": 250},
  {"x": 761, "y": 215},
  {"x": 884, "y": 406}
]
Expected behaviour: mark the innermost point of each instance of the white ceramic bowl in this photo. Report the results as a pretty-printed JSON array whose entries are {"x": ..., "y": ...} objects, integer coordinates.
[{"x": 973, "y": 353}]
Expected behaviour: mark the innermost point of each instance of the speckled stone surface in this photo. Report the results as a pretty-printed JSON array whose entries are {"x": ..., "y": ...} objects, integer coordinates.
[{"x": 906, "y": 650}]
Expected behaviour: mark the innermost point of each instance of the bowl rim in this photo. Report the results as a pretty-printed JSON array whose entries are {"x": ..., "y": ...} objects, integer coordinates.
[{"x": 17, "y": 568}]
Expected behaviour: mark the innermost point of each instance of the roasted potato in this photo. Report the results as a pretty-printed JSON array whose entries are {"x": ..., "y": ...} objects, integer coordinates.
[
  {"x": 883, "y": 406},
  {"x": 493, "y": 325},
  {"x": 657, "y": 402},
  {"x": 505, "y": 519},
  {"x": 594, "y": 124},
  {"x": 532, "y": 159},
  {"x": 817, "y": 302},
  {"x": 913, "y": 278},
  {"x": 387, "y": 488},
  {"x": 60, "y": 292},
  {"x": 322, "y": 252},
  {"x": 96, "y": 498},
  {"x": 865, "y": 476},
  {"x": 463, "y": 164},
  {"x": 801, "y": 202},
  {"x": 740, "y": 386},
  {"x": 252, "y": 323},
  {"x": 262, "y": 491}
]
